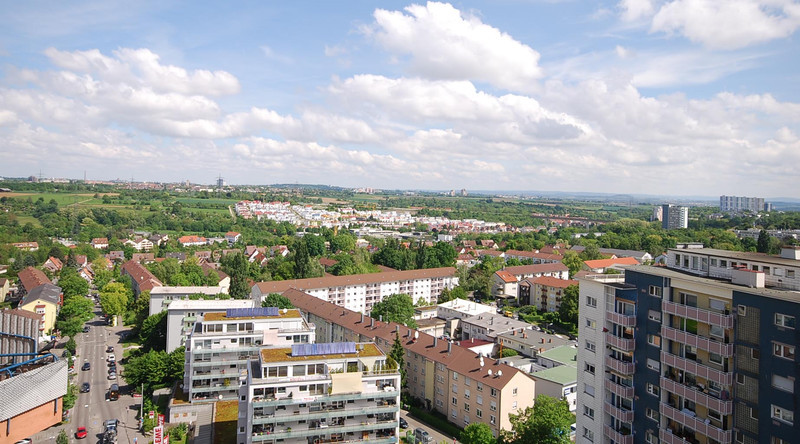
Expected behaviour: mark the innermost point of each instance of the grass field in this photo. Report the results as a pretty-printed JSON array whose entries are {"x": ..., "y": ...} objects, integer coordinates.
[
  {"x": 222, "y": 211},
  {"x": 196, "y": 200},
  {"x": 25, "y": 219},
  {"x": 60, "y": 198}
]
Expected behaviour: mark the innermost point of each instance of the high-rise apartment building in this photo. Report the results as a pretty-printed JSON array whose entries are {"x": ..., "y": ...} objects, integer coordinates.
[
  {"x": 741, "y": 203},
  {"x": 701, "y": 351},
  {"x": 674, "y": 216},
  {"x": 328, "y": 392}
]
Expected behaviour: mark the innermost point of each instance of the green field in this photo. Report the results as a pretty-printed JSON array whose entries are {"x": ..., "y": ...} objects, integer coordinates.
[
  {"x": 197, "y": 200},
  {"x": 26, "y": 219}
]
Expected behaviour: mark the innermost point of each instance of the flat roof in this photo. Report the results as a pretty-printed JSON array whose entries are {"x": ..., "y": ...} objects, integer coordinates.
[
  {"x": 563, "y": 374},
  {"x": 222, "y": 316},
  {"x": 354, "y": 279},
  {"x": 213, "y": 304},
  {"x": 187, "y": 290},
  {"x": 741, "y": 255},
  {"x": 564, "y": 354},
  {"x": 284, "y": 354}
]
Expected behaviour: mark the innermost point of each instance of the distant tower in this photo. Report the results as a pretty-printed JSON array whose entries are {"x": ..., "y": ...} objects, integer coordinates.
[
  {"x": 658, "y": 214},
  {"x": 463, "y": 192},
  {"x": 674, "y": 216},
  {"x": 220, "y": 182}
]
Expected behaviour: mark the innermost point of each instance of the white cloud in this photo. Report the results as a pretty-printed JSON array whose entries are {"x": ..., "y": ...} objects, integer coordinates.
[
  {"x": 633, "y": 10},
  {"x": 445, "y": 43},
  {"x": 729, "y": 24}
]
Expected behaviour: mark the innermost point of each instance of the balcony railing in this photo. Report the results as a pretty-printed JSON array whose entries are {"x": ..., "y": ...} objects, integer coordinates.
[
  {"x": 622, "y": 436},
  {"x": 623, "y": 344},
  {"x": 302, "y": 433},
  {"x": 304, "y": 414},
  {"x": 266, "y": 402},
  {"x": 698, "y": 314},
  {"x": 694, "y": 394},
  {"x": 696, "y": 368},
  {"x": 622, "y": 367},
  {"x": 619, "y": 390},
  {"x": 707, "y": 344},
  {"x": 619, "y": 413},
  {"x": 668, "y": 438},
  {"x": 688, "y": 419},
  {"x": 621, "y": 319}
]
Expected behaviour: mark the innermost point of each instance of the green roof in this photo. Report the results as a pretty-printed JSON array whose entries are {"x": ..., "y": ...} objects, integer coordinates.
[
  {"x": 565, "y": 354},
  {"x": 563, "y": 374}
]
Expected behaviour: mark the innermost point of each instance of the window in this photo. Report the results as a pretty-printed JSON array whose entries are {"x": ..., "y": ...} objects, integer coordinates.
[
  {"x": 466, "y": 407},
  {"x": 492, "y": 419},
  {"x": 439, "y": 402},
  {"x": 590, "y": 346},
  {"x": 466, "y": 382},
  {"x": 753, "y": 412},
  {"x": 654, "y": 315},
  {"x": 715, "y": 358},
  {"x": 466, "y": 419},
  {"x": 479, "y": 413},
  {"x": 588, "y": 434},
  {"x": 783, "y": 350},
  {"x": 654, "y": 340},
  {"x": 588, "y": 389},
  {"x": 493, "y": 407},
  {"x": 466, "y": 393},
  {"x": 782, "y": 414},
  {"x": 739, "y": 378},
  {"x": 790, "y": 274},
  {"x": 455, "y": 388},
  {"x": 455, "y": 413},
  {"x": 480, "y": 387},
  {"x": 455, "y": 376},
  {"x": 514, "y": 405},
  {"x": 717, "y": 331},
  {"x": 479, "y": 399},
  {"x": 589, "y": 412},
  {"x": 781, "y": 383},
  {"x": 653, "y": 389},
  {"x": 590, "y": 323},
  {"x": 782, "y": 320},
  {"x": 713, "y": 262},
  {"x": 493, "y": 392},
  {"x": 655, "y": 291},
  {"x": 775, "y": 440},
  {"x": 514, "y": 391},
  {"x": 739, "y": 437},
  {"x": 652, "y": 414},
  {"x": 455, "y": 400},
  {"x": 591, "y": 302},
  {"x": 589, "y": 368},
  {"x": 755, "y": 353},
  {"x": 651, "y": 438},
  {"x": 723, "y": 263}
]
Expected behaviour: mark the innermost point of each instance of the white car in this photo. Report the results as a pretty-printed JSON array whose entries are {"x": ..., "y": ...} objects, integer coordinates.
[
  {"x": 112, "y": 376},
  {"x": 111, "y": 358}
]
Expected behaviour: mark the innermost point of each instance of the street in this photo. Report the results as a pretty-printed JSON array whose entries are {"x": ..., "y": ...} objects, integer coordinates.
[
  {"x": 413, "y": 423},
  {"x": 92, "y": 409}
]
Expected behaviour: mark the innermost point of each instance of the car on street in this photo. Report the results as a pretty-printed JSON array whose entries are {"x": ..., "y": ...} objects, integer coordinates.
[
  {"x": 86, "y": 366},
  {"x": 422, "y": 436},
  {"x": 111, "y": 358},
  {"x": 111, "y": 424},
  {"x": 86, "y": 329},
  {"x": 85, "y": 387},
  {"x": 112, "y": 370},
  {"x": 403, "y": 423},
  {"x": 112, "y": 377},
  {"x": 110, "y": 349},
  {"x": 24, "y": 441},
  {"x": 81, "y": 433}
]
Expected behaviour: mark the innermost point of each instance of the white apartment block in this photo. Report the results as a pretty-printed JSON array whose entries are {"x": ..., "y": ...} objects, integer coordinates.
[
  {"x": 361, "y": 291},
  {"x": 220, "y": 346},
  {"x": 329, "y": 392},
  {"x": 161, "y": 297},
  {"x": 183, "y": 314}
]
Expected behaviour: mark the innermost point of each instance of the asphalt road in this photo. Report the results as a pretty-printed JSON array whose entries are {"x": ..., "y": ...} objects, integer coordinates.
[
  {"x": 413, "y": 423},
  {"x": 93, "y": 409}
]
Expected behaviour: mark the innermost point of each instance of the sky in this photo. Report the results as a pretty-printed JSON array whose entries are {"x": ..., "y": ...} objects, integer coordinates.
[{"x": 669, "y": 97}]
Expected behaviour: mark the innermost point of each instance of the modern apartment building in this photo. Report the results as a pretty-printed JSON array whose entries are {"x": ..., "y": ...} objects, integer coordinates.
[
  {"x": 327, "y": 392},
  {"x": 447, "y": 378},
  {"x": 674, "y": 217},
  {"x": 701, "y": 351},
  {"x": 183, "y": 314},
  {"x": 162, "y": 296},
  {"x": 221, "y": 345},
  {"x": 737, "y": 204},
  {"x": 361, "y": 291}
]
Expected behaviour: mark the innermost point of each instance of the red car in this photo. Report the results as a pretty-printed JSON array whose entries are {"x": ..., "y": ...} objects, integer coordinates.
[{"x": 81, "y": 433}]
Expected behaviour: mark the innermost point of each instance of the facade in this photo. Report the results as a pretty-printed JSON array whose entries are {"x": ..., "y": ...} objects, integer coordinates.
[
  {"x": 737, "y": 204},
  {"x": 219, "y": 347},
  {"x": 100, "y": 243},
  {"x": 141, "y": 278},
  {"x": 674, "y": 217},
  {"x": 693, "y": 352},
  {"x": 183, "y": 314},
  {"x": 361, "y": 291},
  {"x": 192, "y": 241},
  {"x": 139, "y": 244},
  {"x": 161, "y": 297},
  {"x": 456, "y": 310},
  {"x": 488, "y": 326},
  {"x": 600, "y": 265},
  {"x": 25, "y": 411},
  {"x": 504, "y": 284},
  {"x": 447, "y": 378},
  {"x": 531, "y": 342},
  {"x": 544, "y": 292},
  {"x": 19, "y": 333},
  {"x": 44, "y": 300},
  {"x": 309, "y": 393}
]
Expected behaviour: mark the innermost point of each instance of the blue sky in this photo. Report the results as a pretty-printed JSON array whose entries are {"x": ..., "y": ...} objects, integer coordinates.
[{"x": 691, "y": 97}]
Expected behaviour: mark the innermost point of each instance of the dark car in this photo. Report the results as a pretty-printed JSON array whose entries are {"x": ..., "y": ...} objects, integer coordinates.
[
  {"x": 86, "y": 366},
  {"x": 403, "y": 423},
  {"x": 111, "y": 424},
  {"x": 85, "y": 387},
  {"x": 110, "y": 349},
  {"x": 86, "y": 329},
  {"x": 112, "y": 370}
]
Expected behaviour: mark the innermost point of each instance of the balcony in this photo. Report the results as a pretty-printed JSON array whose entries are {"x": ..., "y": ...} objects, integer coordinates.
[
  {"x": 266, "y": 402},
  {"x": 619, "y": 389},
  {"x": 298, "y": 414},
  {"x": 306, "y": 432},
  {"x": 621, "y": 367},
  {"x": 621, "y": 319},
  {"x": 623, "y": 344},
  {"x": 619, "y": 413},
  {"x": 667, "y": 437},
  {"x": 698, "y": 314},
  {"x": 622, "y": 436},
  {"x": 707, "y": 344},
  {"x": 695, "y": 395},
  {"x": 696, "y": 368},
  {"x": 688, "y": 419}
]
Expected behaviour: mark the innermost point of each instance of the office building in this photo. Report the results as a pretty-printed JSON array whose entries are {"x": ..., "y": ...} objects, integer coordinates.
[
  {"x": 221, "y": 345},
  {"x": 674, "y": 217},
  {"x": 738, "y": 204},
  {"x": 328, "y": 392},
  {"x": 701, "y": 351}
]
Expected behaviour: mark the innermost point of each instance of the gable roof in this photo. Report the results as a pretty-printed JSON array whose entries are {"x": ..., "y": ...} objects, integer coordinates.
[
  {"x": 551, "y": 281},
  {"x": 454, "y": 357},
  {"x": 603, "y": 263},
  {"x": 534, "y": 255},
  {"x": 31, "y": 278},
  {"x": 141, "y": 275},
  {"x": 355, "y": 279},
  {"x": 45, "y": 292},
  {"x": 506, "y": 276},
  {"x": 551, "y": 267}
]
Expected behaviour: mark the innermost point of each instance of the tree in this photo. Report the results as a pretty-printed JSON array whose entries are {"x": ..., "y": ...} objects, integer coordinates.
[
  {"x": 572, "y": 261},
  {"x": 140, "y": 309},
  {"x": 477, "y": 433},
  {"x": 72, "y": 284},
  {"x": 763, "y": 244},
  {"x": 398, "y": 354},
  {"x": 237, "y": 267},
  {"x": 395, "y": 308},
  {"x": 74, "y": 313},
  {"x": 507, "y": 352},
  {"x": 277, "y": 300},
  {"x": 71, "y": 345},
  {"x": 568, "y": 310},
  {"x": 591, "y": 252},
  {"x": 62, "y": 438},
  {"x": 547, "y": 422},
  {"x": 114, "y": 298},
  {"x": 343, "y": 242},
  {"x": 315, "y": 244},
  {"x": 152, "y": 335}
]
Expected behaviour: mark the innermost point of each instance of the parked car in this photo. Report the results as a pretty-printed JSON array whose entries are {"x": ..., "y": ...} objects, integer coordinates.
[
  {"x": 86, "y": 329},
  {"x": 111, "y": 424},
  {"x": 422, "y": 436},
  {"x": 403, "y": 423},
  {"x": 81, "y": 433},
  {"x": 112, "y": 377},
  {"x": 110, "y": 349},
  {"x": 85, "y": 387},
  {"x": 86, "y": 366},
  {"x": 111, "y": 358},
  {"x": 112, "y": 370}
]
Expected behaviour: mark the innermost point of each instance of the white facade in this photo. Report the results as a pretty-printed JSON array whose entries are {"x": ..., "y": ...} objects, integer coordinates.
[
  {"x": 779, "y": 271},
  {"x": 183, "y": 314},
  {"x": 160, "y": 297}
]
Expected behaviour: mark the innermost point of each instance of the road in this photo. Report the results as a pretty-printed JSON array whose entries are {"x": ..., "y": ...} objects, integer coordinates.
[
  {"x": 413, "y": 423},
  {"x": 93, "y": 409}
]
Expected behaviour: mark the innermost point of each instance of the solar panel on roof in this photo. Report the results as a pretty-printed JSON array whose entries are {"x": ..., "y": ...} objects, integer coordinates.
[
  {"x": 325, "y": 348},
  {"x": 252, "y": 312}
]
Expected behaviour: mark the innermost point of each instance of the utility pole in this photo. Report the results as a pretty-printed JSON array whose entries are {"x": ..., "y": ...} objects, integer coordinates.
[{"x": 141, "y": 410}]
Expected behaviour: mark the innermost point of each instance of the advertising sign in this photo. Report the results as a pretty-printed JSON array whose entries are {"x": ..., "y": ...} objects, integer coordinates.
[{"x": 158, "y": 433}]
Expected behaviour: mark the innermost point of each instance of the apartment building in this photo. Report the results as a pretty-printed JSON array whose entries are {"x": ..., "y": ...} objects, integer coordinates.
[
  {"x": 361, "y": 291},
  {"x": 488, "y": 326},
  {"x": 454, "y": 311},
  {"x": 183, "y": 314},
  {"x": 446, "y": 377},
  {"x": 741, "y": 203},
  {"x": 221, "y": 345},
  {"x": 531, "y": 342},
  {"x": 326, "y": 392},
  {"x": 141, "y": 278},
  {"x": 544, "y": 292},
  {"x": 674, "y": 217},
  {"x": 162, "y": 297},
  {"x": 691, "y": 352}
]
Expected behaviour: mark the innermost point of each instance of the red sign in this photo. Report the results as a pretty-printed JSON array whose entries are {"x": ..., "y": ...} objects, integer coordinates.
[
  {"x": 158, "y": 434},
  {"x": 166, "y": 440},
  {"x": 161, "y": 420},
  {"x": 152, "y": 414}
]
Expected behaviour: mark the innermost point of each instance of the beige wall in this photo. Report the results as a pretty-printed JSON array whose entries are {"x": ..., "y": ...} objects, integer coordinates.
[{"x": 50, "y": 312}]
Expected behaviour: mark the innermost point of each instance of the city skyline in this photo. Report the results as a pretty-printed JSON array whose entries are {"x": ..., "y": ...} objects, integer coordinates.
[{"x": 680, "y": 97}]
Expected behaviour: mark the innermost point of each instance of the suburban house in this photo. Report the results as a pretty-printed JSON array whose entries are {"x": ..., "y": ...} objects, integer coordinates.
[
  {"x": 86, "y": 273},
  {"x": 192, "y": 241},
  {"x": 45, "y": 300},
  {"x": 5, "y": 286},
  {"x": 30, "y": 278},
  {"x": 641, "y": 256},
  {"x": 141, "y": 278},
  {"x": 504, "y": 284},
  {"x": 143, "y": 258},
  {"x": 535, "y": 256},
  {"x": 53, "y": 264},
  {"x": 140, "y": 244},
  {"x": 232, "y": 237},
  {"x": 100, "y": 243},
  {"x": 116, "y": 256},
  {"x": 159, "y": 239},
  {"x": 600, "y": 265},
  {"x": 27, "y": 246}
]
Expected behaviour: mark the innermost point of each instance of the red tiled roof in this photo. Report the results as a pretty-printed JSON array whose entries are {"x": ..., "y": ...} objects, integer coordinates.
[
  {"x": 506, "y": 276},
  {"x": 355, "y": 279},
  {"x": 326, "y": 262},
  {"x": 551, "y": 281},
  {"x": 459, "y": 358},
  {"x": 536, "y": 268},
  {"x": 603, "y": 263},
  {"x": 31, "y": 278},
  {"x": 141, "y": 275},
  {"x": 534, "y": 255},
  {"x": 191, "y": 239}
]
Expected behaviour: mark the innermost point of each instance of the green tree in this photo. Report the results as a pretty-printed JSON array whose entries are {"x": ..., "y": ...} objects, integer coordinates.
[
  {"x": 398, "y": 354},
  {"x": 572, "y": 261},
  {"x": 237, "y": 267},
  {"x": 72, "y": 284},
  {"x": 75, "y": 311},
  {"x": 568, "y": 310},
  {"x": 71, "y": 345},
  {"x": 62, "y": 437},
  {"x": 277, "y": 300},
  {"x": 315, "y": 244},
  {"x": 140, "y": 309},
  {"x": 763, "y": 244},
  {"x": 153, "y": 332},
  {"x": 343, "y": 242},
  {"x": 71, "y": 396},
  {"x": 547, "y": 422},
  {"x": 114, "y": 298},
  {"x": 395, "y": 308},
  {"x": 508, "y": 352},
  {"x": 591, "y": 252},
  {"x": 477, "y": 433}
]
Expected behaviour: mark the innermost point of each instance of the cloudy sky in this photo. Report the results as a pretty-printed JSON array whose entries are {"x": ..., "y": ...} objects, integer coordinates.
[{"x": 678, "y": 97}]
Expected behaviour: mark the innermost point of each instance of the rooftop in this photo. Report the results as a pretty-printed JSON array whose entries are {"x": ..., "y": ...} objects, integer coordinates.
[
  {"x": 741, "y": 255},
  {"x": 284, "y": 354},
  {"x": 186, "y": 290},
  {"x": 536, "y": 268},
  {"x": 563, "y": 374},
  {"x": 565, "y": 354},
  {"x": 494, "y": 321},
  {"x": 282, "y": 314},
  {"x": 603, "y": 263},
  {"x": 205, "y": 304},
  {"x": 355, "y": 279},
  {"x": 536, "y": 339}
]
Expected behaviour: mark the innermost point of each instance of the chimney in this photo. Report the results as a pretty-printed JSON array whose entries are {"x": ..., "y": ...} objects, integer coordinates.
[
  {"x": 362, "y": 318},
  {"x": 542, "y": 340},
  {"x": 449, "y": 347},
  {"x": 397, "y": 328},
  {"x": 371, "y": 322},
  {"x": 473, "y": 340},
  {"x": 435, "y": 341},
  {"x": 409, "y": 333},
  {"x": 381, "y": 316}
]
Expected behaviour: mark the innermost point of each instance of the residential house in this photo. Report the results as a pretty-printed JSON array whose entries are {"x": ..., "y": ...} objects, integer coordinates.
[
  {"x": 224, "y": 279},
  {"x": 543, "y": 292},
  {"x": 144, "y": 258},
  {"x": 30, "y": 278},
  {"x": 87, "y": 274},
  {"x": 162, "y": 296},
  {"x": 504, "y": 285},
  {"x": 100, "y": 243},
  {"x": 27, "y": 246},
  {"x": 139, "y": 244},
  {"x": 5, "y": 286},
  {"x": 232, "y": 237},
  {"x": 116, "y": 256},
  {"x": 534, "y": 256},
  {"x": 53, "y": 264},
  {"x": 554, "y": 269},
  {"x": 203, "y": 256},
  {"x": 192, "y": 240},
  {"x": 141, "y": 278},
  {"x": 467, "y": 260},
  {"x": 641, "y": 256},
  {"x": 279, "y": 250},
  {"x": 45, "y": 300},
  {"x": 531, "y": 342},
  {"x": 159, "y": 239},
  {"x": 182, "y": 314},
  {"x": 488, "y": 326},
  {"x": 456, "y": 310},
  {"x": 560, "y": 379},
  {"x": 179, "y": 255},
  {"x": 81, "y": 260}
]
